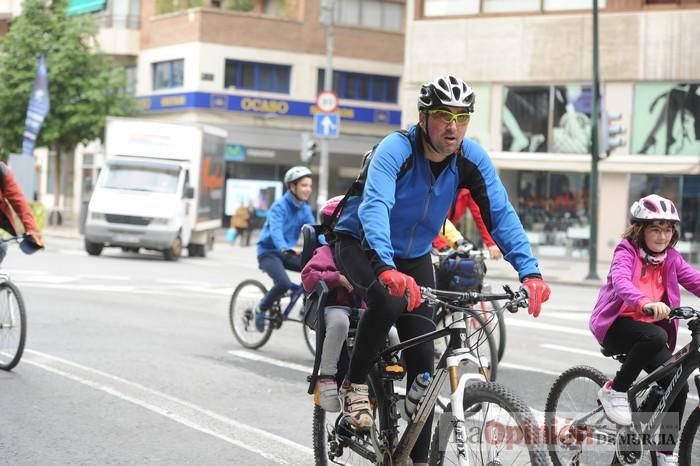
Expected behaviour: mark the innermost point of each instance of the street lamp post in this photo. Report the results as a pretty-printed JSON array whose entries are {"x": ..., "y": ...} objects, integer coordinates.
[
  {"x": 327, "y": 19},
  {"x": 595, "y": 152}
]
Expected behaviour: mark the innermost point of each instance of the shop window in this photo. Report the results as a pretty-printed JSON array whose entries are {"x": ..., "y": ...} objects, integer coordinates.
[
  {"x": 377, "y": 14},
  {"x": 558, "y": 5},
  {"x": 168, "y": 74},
  {"x": 253, "y": 76},
  {"x": 450, "y": 7},
  {"x": 525, "y": 119},
  {"x": 358, "y": 86},
  {"x": 553, "y": 208},
  {"x": 503, "y": 6},
  {"x": 666, "y": 119}
]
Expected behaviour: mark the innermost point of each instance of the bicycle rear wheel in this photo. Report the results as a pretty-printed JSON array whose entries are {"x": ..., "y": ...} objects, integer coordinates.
[
  {"x": 242, "y": 317},
  {"x": 334, "y": 442},
  {"x": 13, "y": 325},
  {"x": 499, "y": 430},
  {"x": 573, "y": 395},
  {"x": 309, "y": 338}
]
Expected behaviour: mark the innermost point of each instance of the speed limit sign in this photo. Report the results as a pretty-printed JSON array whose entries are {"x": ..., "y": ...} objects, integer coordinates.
[{"x": 327, "y": 101}]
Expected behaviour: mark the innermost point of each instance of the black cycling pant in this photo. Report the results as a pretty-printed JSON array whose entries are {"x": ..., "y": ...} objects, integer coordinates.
[
  {"x": 646, "y": 349},
  {"x": 383, "y": 311}
]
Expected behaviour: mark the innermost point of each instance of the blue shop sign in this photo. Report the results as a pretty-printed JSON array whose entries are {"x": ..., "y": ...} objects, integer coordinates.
[{"x": 263, "y": 106}]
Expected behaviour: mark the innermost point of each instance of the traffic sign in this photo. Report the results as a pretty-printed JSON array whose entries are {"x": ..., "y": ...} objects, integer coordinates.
[
  {"x": 326, "y": 125},
  {"x": 327, "y": 101}
]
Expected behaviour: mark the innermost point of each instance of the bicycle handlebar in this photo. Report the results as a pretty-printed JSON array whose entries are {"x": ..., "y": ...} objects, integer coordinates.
[
  {"x": 682, "y": 312},
  {"x": 514, "y": 299}
]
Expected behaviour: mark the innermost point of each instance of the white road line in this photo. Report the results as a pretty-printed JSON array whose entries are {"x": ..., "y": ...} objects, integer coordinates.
[
  {"x": 181, "y": 411},
  {"x": 547, "y": 327},
  {"x": 522, "y": 367},
  {"x": 275, "y": 362}
]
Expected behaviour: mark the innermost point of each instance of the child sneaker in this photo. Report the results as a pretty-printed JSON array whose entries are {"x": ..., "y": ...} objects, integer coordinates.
[
  {"x": 328, "y": 393},
  {"x": 354, "y": 398},
  {"x": 615, "y": 405}
]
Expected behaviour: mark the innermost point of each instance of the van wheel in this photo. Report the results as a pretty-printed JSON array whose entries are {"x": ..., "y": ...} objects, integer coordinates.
[
  {"x": 93, "y": 249},
  {"x": 197, "y": 250},
  {"x": 174, "y": 251}
]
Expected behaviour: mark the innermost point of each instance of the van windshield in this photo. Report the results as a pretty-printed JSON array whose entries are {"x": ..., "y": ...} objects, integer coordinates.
[{"x": 142, "y": 178}]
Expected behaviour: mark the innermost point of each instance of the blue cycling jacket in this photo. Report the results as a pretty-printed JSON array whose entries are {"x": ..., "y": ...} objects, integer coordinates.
[
  {"x": 283, "y": 225},
  {"x": 401, "y": 217}
]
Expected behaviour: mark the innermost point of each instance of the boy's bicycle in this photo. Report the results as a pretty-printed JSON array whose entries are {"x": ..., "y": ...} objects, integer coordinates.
[
  {"x": 485, "y": 423},
  {"x": 13, "y": 316},
  {"x": 242, "y": 314},
  {"x": 579, "y": 433}
]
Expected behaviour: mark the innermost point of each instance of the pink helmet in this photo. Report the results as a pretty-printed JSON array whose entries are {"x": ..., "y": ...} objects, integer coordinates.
[
  {"x": 654, "y": 207},
  {"x": 330, "y": 205}
]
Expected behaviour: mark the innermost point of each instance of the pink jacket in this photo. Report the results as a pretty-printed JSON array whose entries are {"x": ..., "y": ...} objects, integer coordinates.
[
  {"x": 321, "y": 266},
  {"x": 620, "y": 289}
]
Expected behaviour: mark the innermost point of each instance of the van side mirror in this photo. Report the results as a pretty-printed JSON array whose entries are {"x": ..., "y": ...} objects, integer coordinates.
[{"x": 189, "y": 192}]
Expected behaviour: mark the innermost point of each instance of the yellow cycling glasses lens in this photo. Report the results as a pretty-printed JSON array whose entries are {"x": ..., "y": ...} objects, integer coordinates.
[{"x": 448, "y": 117}]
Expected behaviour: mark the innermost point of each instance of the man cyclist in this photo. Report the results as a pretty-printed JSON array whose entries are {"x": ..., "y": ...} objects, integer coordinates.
[
  {"x": 384, "y": 236},
  {"x": 277, "y": 245},
  {"x": 13, "y": 201}
]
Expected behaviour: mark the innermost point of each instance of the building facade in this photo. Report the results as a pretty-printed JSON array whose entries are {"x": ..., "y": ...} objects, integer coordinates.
[
  {"x": 530, "y": 63},
  {"x": 257, "y": 73}
]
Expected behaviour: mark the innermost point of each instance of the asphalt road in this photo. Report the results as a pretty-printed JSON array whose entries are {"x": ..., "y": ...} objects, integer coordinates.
[{"x": 130, "y": 360}]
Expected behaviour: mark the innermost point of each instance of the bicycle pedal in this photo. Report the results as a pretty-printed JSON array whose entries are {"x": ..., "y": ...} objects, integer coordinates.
[{"x": 394, "y": 370}]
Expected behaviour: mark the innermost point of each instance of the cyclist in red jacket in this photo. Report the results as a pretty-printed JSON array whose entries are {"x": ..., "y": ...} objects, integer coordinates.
[
  {"x": 12, "y": 199},
  {"x": 464, "y": 201}
]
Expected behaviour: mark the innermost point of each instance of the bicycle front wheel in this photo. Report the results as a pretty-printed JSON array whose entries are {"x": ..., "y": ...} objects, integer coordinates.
[
  {"x": 250, "y": 333},
  {"x": 573, "y": 395},
  {"x": 499, "y": 430},
  {"x": 689, "y": 446},
  {"x": 13, "y": 326}
]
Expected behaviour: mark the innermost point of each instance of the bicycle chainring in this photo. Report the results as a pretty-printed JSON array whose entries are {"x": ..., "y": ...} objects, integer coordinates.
[{"x": 628, "y": 446}]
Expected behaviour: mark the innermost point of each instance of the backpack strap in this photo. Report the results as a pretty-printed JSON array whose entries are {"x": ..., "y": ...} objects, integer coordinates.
[{"x": 358, "y": 185}]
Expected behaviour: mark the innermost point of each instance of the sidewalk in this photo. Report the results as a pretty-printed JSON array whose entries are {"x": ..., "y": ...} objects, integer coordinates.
[{"x": 562, "y": 270}]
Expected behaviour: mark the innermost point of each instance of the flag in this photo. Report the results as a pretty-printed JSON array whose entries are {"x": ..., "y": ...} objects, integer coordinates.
[{"x": 38, "y": 108}]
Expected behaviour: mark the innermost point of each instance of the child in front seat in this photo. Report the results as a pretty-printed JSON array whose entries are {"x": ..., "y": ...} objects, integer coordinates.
[{"x": 321, "y": 267}]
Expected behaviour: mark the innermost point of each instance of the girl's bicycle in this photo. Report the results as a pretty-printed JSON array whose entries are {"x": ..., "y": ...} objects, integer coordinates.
[
  {"x": 13, "y": 316},
  {"x": 484, "y": 423},
  {"x": 242, "y": 315},
  {"x": 578, "y": 432}
]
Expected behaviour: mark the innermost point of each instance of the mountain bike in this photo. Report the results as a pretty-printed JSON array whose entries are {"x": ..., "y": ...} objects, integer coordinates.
[
  {"x": 13, "y": 316},
  {"x": 246, "y": 296},
  {"x": 579, "y": 433},
  {"x": 484, "y": 423}
]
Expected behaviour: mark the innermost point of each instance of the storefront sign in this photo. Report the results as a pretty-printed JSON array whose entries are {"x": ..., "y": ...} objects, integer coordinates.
[{"x": 263, "y": 106}]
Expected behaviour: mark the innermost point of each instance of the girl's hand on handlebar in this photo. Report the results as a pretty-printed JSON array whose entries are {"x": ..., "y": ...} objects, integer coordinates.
[
  {"x": 659, "y": 310},
  {"x": 495, "y": 253}
]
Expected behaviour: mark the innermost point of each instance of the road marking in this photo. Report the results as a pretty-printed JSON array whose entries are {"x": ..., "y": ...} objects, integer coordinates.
[
  {"x": 181, "y": 411},
  {"x": 548, "y": 327},
  {"x": 275, "y": 362},
  {"x": 522, "y": 367}
]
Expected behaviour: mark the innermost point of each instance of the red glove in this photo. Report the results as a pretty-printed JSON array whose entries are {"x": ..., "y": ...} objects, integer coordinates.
[
  {"x": 538, "y": 292},
  {"x": 402, "y": 286}
]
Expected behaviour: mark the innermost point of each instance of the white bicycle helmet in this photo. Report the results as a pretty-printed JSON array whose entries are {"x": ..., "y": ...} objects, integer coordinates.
[
  {"x": 654, "y": 207},
  {"x": 446, "y": 91},
  {"x": 296, "y": 173}
]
